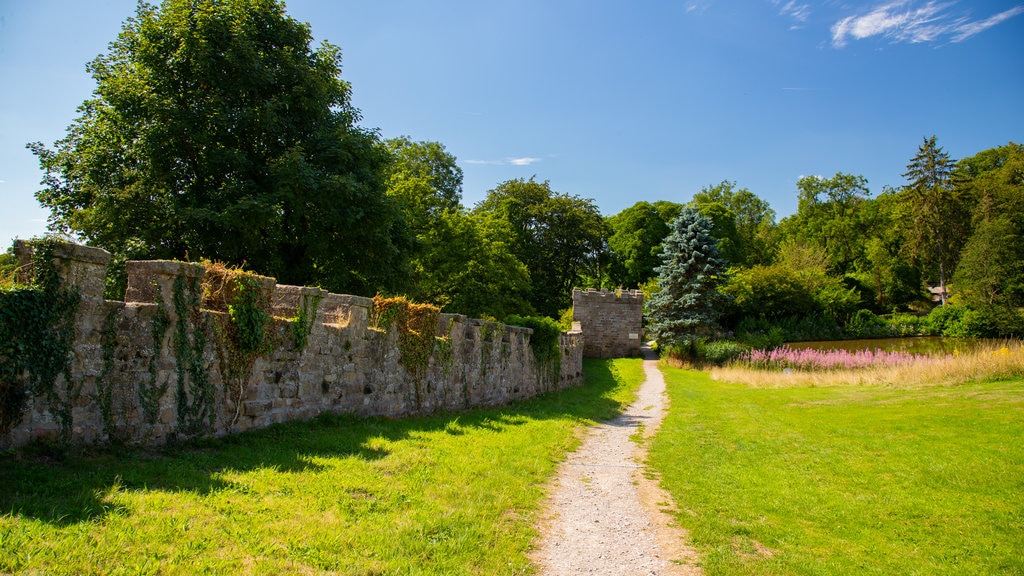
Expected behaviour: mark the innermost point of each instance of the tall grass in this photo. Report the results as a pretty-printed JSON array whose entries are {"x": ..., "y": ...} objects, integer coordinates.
[
  {"x": 447, "y": 494},
  {"x": 841, "y": 480},
  {"x": 999, "y": 361}
]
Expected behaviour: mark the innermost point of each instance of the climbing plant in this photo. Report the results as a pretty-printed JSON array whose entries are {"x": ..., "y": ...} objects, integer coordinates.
[
  {"x": 36, "y": 334},
  {"x": 104, "y": 397},
  {"x": 195, "y": 393},
  {"x": 302, "y": 324},
  {"x": 417, "y": 330},
  {"x": 241, "y": 328}
]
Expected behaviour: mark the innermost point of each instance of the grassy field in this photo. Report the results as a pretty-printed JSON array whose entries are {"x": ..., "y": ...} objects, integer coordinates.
[
  {"x": 847, "y": 479},
  {"x": 449, "y": 494}
]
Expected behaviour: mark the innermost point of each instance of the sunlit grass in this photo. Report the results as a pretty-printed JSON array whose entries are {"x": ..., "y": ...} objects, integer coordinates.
[
  {"x": 838, "y": 479},
  {"x": 448, "y": 494},
  {"x": 999, "y": 361}
]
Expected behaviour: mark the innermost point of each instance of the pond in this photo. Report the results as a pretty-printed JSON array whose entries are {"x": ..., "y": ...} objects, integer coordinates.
[{"x": 931, "y": 345}]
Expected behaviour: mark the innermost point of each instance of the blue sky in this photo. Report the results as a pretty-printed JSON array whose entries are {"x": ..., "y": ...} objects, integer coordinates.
[{"x": 612, "y": 100}]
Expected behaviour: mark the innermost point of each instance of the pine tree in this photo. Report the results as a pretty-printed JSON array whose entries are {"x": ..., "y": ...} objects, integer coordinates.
[
  {"x": 687, "y": 304},
  {"x": 937, "y": 220}
]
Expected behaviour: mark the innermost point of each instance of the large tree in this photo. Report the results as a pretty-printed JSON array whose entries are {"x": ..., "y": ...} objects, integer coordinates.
[
  {"x": 216, "y": 131},
  {"x": 830, "y": 213},
  {"x": 754, "y": 220},
  {"x": 635, "y": 240},
  {"x": 937, "y": 220},
  {"x": 558, "y": 237},
  {"x": 466, "y": 266},
  {"x": 424, "y": 180},
  {"x": 688, "y": 303}
]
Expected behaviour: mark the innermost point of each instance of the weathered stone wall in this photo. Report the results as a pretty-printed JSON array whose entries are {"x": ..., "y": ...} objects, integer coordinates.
[
  {"x": 612, "y": 321},
  {"x": 129, "y": 385}
]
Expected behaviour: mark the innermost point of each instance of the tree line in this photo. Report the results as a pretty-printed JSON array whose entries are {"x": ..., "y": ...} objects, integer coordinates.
[{"x": 217, "y": 131}]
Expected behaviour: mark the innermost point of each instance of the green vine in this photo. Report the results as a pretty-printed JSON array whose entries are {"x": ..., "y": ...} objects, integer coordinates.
[
  {"x": 443, "y": 345},
  {"x": 417, "y": 332},
  {"x": 104, "y": 395},
  {"x": 302, "y": 325},
  {"x": 150, "y": 393},
  {"x": 195, "y": 393},
  {"x": 241, "y": 333},
  {"x": 36, "y": 337},
  {"x": 490, "y": 332}
]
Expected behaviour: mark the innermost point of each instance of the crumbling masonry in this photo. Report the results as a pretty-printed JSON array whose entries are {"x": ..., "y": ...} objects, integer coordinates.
[{"x": 343, "y": 366}]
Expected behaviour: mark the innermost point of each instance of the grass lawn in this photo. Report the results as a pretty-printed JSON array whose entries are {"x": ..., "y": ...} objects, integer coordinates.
[
  {"x": 847, "y": 480},
  {"x": 448, "y": 494}
]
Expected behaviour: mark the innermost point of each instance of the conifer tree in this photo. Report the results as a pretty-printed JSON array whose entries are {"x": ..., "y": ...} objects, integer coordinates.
[{"x": 687, "y": 304}]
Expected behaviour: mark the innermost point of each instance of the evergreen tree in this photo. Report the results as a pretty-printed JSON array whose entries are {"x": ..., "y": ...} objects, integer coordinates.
[
  {"x": 938, "y": 221},
  {"x": 687, "y": 304}
]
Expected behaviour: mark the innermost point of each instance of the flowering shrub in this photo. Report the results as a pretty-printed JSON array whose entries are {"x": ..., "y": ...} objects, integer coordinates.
[{"x": 784, "y": 357}]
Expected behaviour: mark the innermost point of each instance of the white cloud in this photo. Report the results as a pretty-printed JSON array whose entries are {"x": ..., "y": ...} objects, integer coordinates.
[
  {"x": 525, "y": 161},
  {"x": 696, "y": 6},
  {"x": 796, "y": 10},
  {"x": 968, "y": 29},
  {"x": 907, "y": 21}
]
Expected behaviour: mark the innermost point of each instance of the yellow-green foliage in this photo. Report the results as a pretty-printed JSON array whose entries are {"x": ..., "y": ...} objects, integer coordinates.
[{"x": 417, "y": 329}]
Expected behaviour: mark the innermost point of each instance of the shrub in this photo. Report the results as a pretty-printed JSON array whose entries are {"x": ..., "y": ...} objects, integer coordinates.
[
  {"x": 544, "y": 340},
  {"x": 864, "y": 324},
  {"x": 720, "y": 352}
]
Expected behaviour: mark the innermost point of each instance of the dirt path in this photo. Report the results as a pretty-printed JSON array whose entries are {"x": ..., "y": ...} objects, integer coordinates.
[{"x": 603, "y": 514}]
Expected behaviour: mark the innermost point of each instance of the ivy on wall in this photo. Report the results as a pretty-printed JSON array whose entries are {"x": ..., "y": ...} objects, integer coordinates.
[
  {"x": 241, "y": 330},
  {"x": 195, "y": 393},
  {"x": 302, "y": 324},
  {"x": 150, "y": 392},
  {"x": 417, "y": 332},
  {"x": 36, "y": 335}
]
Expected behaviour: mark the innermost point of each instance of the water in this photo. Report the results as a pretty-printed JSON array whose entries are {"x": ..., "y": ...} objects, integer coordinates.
[{"x": 930, "y": 345}]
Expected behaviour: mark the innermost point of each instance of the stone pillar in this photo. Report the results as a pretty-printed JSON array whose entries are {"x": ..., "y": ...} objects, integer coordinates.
[
  {"x": 84, "y": 267},
  {"x": 148, "y": 279}
]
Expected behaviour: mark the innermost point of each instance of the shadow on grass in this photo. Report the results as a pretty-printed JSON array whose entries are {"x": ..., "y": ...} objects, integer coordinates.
[{"x": 65, "y": 488}]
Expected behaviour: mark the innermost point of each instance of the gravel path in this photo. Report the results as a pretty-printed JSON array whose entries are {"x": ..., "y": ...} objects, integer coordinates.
[{"x": 604, "y": 514}]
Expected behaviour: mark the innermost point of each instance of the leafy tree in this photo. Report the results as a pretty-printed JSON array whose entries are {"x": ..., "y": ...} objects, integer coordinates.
[
  {"x": 558, "y": 237},
  {"x": 991, "y": 268},
  {"x": 216, "y": 131},
  {"x": 466, "y": 267},
  {"x": 936, "y": 219},
  {"x": 798, "y": 285},
  {"x": 424, "y": 180},
  {"x": 635, "y": 240},
  {"x": 831, "y": 213},
  {"x": 723, "y": 228},
  {"x": 687, "y": 304},
  {"x": 755, "y": 220},
  {"x": 993, "y": 181}
]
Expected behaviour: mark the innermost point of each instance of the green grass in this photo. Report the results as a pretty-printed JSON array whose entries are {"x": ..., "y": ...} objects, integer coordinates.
[
  {"x": 448, "y": 494},
  {"x": 847, "y": 480}
]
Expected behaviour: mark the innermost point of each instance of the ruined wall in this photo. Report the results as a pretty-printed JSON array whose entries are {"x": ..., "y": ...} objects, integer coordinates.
[
  {"x": 612, "y": 321},
  {"x": 130, "y": 381}
]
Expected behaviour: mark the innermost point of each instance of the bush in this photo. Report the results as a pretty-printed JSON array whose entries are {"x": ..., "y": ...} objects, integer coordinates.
[
  {"x": 910, "y": 325},
  {"x": 544, "y": 340},
  {"x": 720, "y": 352},
  {"x": 864, "y": 324}
]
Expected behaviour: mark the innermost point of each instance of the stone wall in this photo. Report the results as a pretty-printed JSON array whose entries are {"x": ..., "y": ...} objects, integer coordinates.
[
  {"x": 128, "y": 383},
  {"x": 612, "y": 321}
]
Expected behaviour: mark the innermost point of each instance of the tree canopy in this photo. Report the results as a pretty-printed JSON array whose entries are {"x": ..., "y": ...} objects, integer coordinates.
[
  {"x": 557, "y": 236},
  {"x": 216, "y": 131}
]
